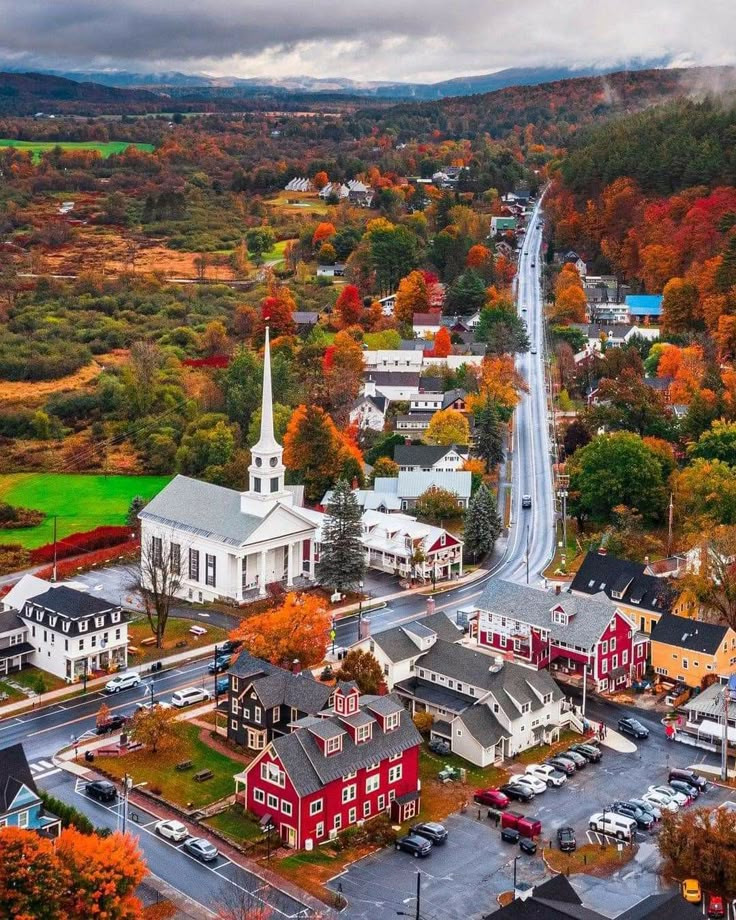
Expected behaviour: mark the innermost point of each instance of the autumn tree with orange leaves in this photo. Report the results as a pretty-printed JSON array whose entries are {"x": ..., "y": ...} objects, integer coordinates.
[
  {"x": 317, "y": 453},
  {"x": 324, "y": 231},
  {"x": 412, "y": 297},
  {"x": 349, "y": 306},
  {"x": 442, "y": 346},
  {"x": 277, "y": 311},
  {"x": 32, "y": 884},
  {"x": 498, "y": 382},
  {"x": 295, "y": 631}
]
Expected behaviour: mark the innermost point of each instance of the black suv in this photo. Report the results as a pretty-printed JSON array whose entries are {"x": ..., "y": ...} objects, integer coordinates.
[
  {"x": 111, "y": 725},
  {"x": 629, "y": 810},
  {"x": 691, "y": 777},
  {"x": 517, "y": 791},
  {"x": 566, "y": 839},
  {"x": 101, "y": 790},
  {"x": 629, "y": 726},
  {"x": 417, "y": 846},
  {"x": 431, "y": 830},
  {"x": 588, "y": 751}
]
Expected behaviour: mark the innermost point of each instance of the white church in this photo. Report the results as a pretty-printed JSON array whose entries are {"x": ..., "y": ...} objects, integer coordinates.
[{"x": 232, "y": 545}]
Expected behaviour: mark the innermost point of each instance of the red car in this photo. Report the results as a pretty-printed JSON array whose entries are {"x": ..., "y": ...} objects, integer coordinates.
[
  {"x": 491, "y": 797},
  {"x": 716, "y": 907}
]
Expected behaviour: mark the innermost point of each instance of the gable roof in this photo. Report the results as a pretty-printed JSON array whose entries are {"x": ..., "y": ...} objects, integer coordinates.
[
  {"x": 426, "y": 319},
  {"x": 73, "y": 604},
  {"x": 608, "y": 574},
  {"x": 28, "y": 586},
  {"x": 685, "y": 633},
  {"x": 397, "y": 646},
  {"x": 554, "y": 899},
  {"x": 411, "y": 484},
  {"x": 663, "y": 906},
  {"x": 588, "y": 616},
  {"x": 457, "y": 393},
  {"x": 276, "y": 686},
  {"x": 423, "y": 454},
  {"x": 14, "y": 774}
]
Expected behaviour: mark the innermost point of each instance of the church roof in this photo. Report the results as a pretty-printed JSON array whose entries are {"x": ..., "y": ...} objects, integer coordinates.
[{"x": 203, "y": 509}]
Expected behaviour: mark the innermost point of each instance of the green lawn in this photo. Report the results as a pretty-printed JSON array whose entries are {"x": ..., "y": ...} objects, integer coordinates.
[
  {"x": 104, "y": 149},
  {"x": 276, "y": 251},
  {"x": 29, "y": 677},
  {"x": 81, "y": 502},
  {"x": 177, "y": 632},
  {"x": 179, "y": 787},
  {"x": 235, "y": 824}
]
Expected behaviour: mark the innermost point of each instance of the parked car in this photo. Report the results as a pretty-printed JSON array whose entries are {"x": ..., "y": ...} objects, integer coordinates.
[
  {"x": 716, "y": 907},
  {"x": 419, "y": 847},
  {"x": 497, "y": 798},
  {"x": 671, "y": 793},
  {"x": 691, "y": 891},
  {"x": 527, "y": 827},
  {"x": 219, "y": 665},
  {"x": 430, "y": 830},
  {"x": 517, "y": 792},
  {"x": 547, "y": 774},
  {"x": 147, "y": 704},
  {"x": 689, "y": 776},
  {"x": 578, "y": 759},
  {"x": 188, "y": 696},
  {"x": 222, "y": 685},
  {"x": 663, "y": 802},
  {"x": 590, "y": 752},
  {"x": 114, "y": 723},
  {"x": 438, "y": 746},
  {"x": 230, "y": 646},
  {"x": 102, "y": 790},
  {"x": 122, "y": 682},
  {"x": 685, "y": 788},
  {"x": 633, "y": 727},
  {"x": 537, "y": 786},
  {"x": 566, "y": 839},
  {"x": 618, "y": 826},
  {"x": 560, "y": 763},
  {"x": 200, "y": 849},
  {"x": 642, "y": 818},
  {"x": 653, "y": 810},
  {"x": 172, "y": 830}
]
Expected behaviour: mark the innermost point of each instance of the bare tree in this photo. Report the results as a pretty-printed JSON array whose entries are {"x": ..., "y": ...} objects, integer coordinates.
[
  {"x": 712, "y": 579},
  {"x": 158, "y": 578},
  {"x": 238, "y": 904}
]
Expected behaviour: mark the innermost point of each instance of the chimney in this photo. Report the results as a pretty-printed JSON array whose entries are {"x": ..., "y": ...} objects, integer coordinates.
[
  {"x": 430, "y": 605},
  {"x": 407, "y": 442},
  {"x": 558, "y": 589},
  {"x": 296, "y": 666},
  {"x": 602, "y": 551}
]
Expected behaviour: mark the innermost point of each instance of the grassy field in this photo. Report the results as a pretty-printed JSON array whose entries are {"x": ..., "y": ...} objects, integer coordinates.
[
  {"x": 235, "y": 824},
  {"x": 81, "y": 502},
  {"x": 105, "y": 150},
  {"x": 177, "y": 632},
  {"x": 179, "y": 787}
]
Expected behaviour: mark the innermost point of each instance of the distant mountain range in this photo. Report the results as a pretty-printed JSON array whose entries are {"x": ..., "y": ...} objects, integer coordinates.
[{"x": 175, "y": 83}]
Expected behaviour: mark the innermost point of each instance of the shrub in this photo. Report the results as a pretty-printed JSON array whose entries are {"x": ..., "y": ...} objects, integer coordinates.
[
  {"x": 69, "y": 815},
  {"x": 13, "y": 558},
  {"x": 423, "y": 721},
  {"x": 78, "y": 543}
]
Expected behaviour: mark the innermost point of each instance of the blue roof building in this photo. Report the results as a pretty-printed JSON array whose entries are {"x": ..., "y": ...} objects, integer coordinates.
[{"x": 644, "y": 306}]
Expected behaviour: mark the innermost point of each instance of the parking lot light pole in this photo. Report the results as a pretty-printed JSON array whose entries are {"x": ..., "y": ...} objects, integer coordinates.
[
  {"x": 215, "y": 667},
  {"x": 516, "y": 859}
]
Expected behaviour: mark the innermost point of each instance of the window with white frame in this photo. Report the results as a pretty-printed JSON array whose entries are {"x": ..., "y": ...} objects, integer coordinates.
[
  {"x": 210, "y": 570},
  {"x": 612, "y": 645},
  {"x": 272, "y": 801},
  {"x": 604, "y": 647},
  {"x": 391, "y": 795},
  {"x": 349, "y": 793},
  {"x": 372, "y": 784},
  {"x": 257, "y": 714},
  {"x": 351, "y": 775},
  {"x": 276, "y": 713},
  {"x": 394, "y": 773},
  {"x": 234, "y": 704},
  {"x": 366, "y": 808},
  {"x": 373, "y": 766},
  {"x": 234, "y": 724},
  {"x": 381, "y": 802},
  {"x": 259, "y": 796},
  {"x": 286, "y": 808},
  {"x": 316, "y": 806},
  {"x": 352, "y": 816},
  {"x": 319, "y": 831},
  {"x": 624, "y": 657},
  {"x": 334, "y": 745},
  {"x": 337, "y": 822},
  {"x": 364, "y": 733},
  {"x": 157, "y": 551},
  {"x": 604, "y": 667},
  {"x": 272, "y": 773}
]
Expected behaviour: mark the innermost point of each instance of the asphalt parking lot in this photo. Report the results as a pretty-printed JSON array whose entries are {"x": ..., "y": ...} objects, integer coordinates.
[{"x": 460, "y": 880}]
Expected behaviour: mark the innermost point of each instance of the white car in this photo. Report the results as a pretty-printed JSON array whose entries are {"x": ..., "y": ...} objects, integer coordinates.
[
  {"x": 663, "y": 802},
  {"x": 158, "y": 704},
  {"x": 534, "y": 783},
  {"x": 172, "y": 830},
  {"x": 122, "y": 682},
  {"x": 679, "y": 797},
  {"x": 190, "y": 695},
  {"x": 547, "y": 774}
]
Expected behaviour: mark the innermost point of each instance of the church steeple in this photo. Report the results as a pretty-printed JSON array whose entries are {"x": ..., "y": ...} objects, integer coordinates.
[{"x": 266, "y": 471}]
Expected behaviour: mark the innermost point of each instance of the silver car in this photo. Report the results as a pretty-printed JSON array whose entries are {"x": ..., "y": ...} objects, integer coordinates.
[{"x": 200, "y": 849}]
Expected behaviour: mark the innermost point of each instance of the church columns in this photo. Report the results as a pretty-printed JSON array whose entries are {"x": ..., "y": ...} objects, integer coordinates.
[
  {"x": 262, "y": 575},
  {"x": 290, "y": 564}
]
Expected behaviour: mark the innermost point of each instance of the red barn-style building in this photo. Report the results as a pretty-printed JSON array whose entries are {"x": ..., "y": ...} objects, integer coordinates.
[
  {"x": 346, "y": 765},
  {"x": 563, "y": 632}
]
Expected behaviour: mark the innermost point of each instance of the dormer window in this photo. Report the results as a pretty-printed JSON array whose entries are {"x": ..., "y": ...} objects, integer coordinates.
[
  {"x": 65, "y": 625},
  {"x": 83, "y": 624},
  {"x": 559, "y": 616},
  {"x": 99, "y": 622},
  {"x": 52, "y": 621},
  {"x": 392, "y": 722},
  {"x": 333, "y": 745},
  {"x": 116, "y": 617},
  {"x": 364, "y": 734}
]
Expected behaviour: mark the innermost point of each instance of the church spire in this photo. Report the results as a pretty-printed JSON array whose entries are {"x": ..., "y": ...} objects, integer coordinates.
[{"x": 267, "y": 441}]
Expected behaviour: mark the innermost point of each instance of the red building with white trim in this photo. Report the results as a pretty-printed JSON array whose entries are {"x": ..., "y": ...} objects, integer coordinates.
[
  {"x": 562, "y": 632},
  {"x": 337, "y": 769}
]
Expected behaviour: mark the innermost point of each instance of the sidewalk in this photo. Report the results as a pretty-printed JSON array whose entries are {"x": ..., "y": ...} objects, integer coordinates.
[{"x": 62, "y": 693}]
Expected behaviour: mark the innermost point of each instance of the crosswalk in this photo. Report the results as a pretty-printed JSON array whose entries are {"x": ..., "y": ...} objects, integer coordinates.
[{"x": 42, "y": 768}]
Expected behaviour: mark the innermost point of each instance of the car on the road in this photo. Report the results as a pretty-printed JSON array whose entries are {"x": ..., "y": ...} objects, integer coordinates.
[
  {"x": 678, "y": 797},
  {"x": 419, "y": 847},
  {"x": 590, "y": 752},
  {"x": 537, "y": 786},
  {"x": 102, "y": 790},
  {"x": 653, "y": 810},
  {"x": 562, "y": 764},
  {"x": 527, "y": 845},
  {"x": 547, "y": 774},
  {"x": 230, "y": 646},
  {"x": 526, "y": 501},
  {"x": 190, "y": 695},
  {"x": 533, "y": 350},
  {"x": 496, "y": 798},
  {"x": 111, "y": 724},
  {"x": 200, "y": 849},
  {"x": 156, "y": 704},
  {"x": 566, "y": 839},
  {"x": 578, "y": 759},
  {"x": 663, "y": 802},
  {"x": 219, "y": 665},
  {"x": 691, "y": 891},
  {"x": 685, "y": 788},
  {"x": 430, "y": 830},
  {"x": 534, "y": 264},
  {"x": 122, "y": 682},
  {"x": 642, "y": 818},
  {"x": 172, "y": 830},
  {"x": 716, "y": 907},
  {"x": 517, "y": 792},
  {"x": 689, "y": 776},
  {"x": 633, "y": 727}
]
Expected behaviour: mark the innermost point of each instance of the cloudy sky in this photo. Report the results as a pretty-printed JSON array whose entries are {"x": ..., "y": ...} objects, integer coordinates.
[{"x": 416, "y": 40}]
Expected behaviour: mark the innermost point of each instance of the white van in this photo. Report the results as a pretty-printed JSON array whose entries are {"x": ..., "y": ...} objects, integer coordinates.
[
  {"x": 612, "y": 824},
  {"x": 188, "y": 696}
]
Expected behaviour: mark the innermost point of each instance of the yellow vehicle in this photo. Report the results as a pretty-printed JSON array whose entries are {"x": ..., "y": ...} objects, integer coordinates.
[{"x": 691, "y": 891}]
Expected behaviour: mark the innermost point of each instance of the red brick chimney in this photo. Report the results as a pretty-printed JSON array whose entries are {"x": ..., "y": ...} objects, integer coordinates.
[
  {"x": 558, "y": 589},
  {"x": 602, "y": 551}
]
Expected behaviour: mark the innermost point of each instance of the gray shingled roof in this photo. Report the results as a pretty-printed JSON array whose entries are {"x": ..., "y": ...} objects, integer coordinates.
[
  {"x": 277, "y": 687},
  {"x": 589, "y": 616},
  {"x": 422, "y": 454},
  {"x": 383, "y": 705},
  {"x": 327, "y": 728},
  {"x": 309, "y": 769},
  {"x": 483, "y": 725},
  {"x": 203, "y": 509},
  {"x": 361, "y": 717},
  {"x": 397, "y": 646}
]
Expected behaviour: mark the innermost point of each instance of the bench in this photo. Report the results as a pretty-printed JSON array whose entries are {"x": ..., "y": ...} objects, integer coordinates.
[
  {"x": 197, "y": 630},
  {"x": 203, "y": 775},
  {"x": 151, "y": 640},
  {"x": 184, "y": 765}
]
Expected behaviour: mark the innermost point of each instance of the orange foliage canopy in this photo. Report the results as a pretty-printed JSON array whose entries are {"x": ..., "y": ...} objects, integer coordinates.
[
  {"x": 442, "y": 343},
  {"x": 295, "y": 631},
  {"x": 348, "y": 306},
  {"x": 499, "y": 382},
  {"x": 323, "y": 232}
]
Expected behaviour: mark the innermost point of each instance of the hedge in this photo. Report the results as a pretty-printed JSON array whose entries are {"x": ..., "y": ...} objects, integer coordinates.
[
  {"x": 89, "y": 560},
  {"x": 77, "y": 543}
]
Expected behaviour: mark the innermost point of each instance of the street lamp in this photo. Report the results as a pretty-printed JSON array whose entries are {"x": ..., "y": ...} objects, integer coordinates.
[
  {"x": 360, "y": 604},
  {"x": 75, "y": 741},
  {"x": 128, "y": 786}
]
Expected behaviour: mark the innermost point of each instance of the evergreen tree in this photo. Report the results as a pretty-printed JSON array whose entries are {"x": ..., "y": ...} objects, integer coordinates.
[
  {"x": 342, "y": 562},
  {"x": 482, "y": 523},
  {"x": 467, "y": 294},
  {"x": 489, "y": 435}
]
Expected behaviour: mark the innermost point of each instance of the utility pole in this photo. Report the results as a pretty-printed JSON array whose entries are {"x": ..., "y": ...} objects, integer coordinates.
[
  {"x": 669, "y": 528},
  {"x": 53, "y": 571},
  {"x": 585, "y": 685},
  {"x": 419, "y": 892},
  {"x": 724, "y": 743}
]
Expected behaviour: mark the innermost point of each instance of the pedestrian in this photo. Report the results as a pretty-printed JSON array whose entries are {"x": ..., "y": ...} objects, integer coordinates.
[{"x": 605, "y": 730}]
